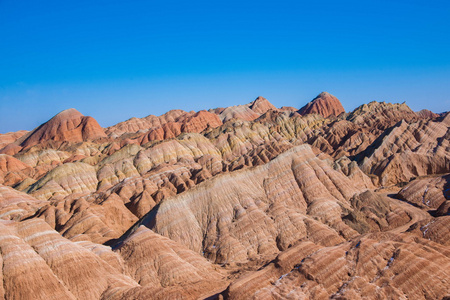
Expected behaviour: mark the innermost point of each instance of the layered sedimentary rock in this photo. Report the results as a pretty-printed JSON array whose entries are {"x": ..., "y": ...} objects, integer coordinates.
[
  {"x": 408, "y": 150},
  {"x": 427, "y": 114},
  {"x": 135, "y": 124},
  {"x": 429, "y": 192},
  {"x": 247, "y": 112},
  {"x": 256, "y": 212},
  {"x": 13, "y": 170},
  {"x": 59, "y": 268},
  {"x": 242, "y": 202},
  {"x": 15, "y": 205},
  {"x": 373, "y": 266},
  {"x": 11, "y": 137},
  {"x": 193, "y": 123},
  {"x": 67, "y": 179},
  {"x": 67, "y": 126},
  {"x": 378, "y": 116},
  {"x": 324, "y": 104}
]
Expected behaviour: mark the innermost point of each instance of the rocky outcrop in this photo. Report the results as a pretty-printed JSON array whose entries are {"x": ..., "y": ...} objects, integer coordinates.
[
  {"x": 261, "y": 105},
  {"x": 251, "y": 213},
  {"x": 427, "y": 114},
  {"x": 324, "y": 104},
  {"x": 374, "y": 266},
  {"x": 379, "y": 116},
  {"x": 242, "y": 202},
  {"x": 67, "y": 126},
  {"x": 409, "y": 150},
  {"x": 15, "y": 205},
  {"x": 12, "y": 170},
  {"x": 11, "y": 137},
  {"x": 178, "y": 265},
  {"x": 193, "y": 123},
  {"x": 428, "y": 193},
  {"x": 67, "y": 179},
  {"x": 136, "y": 124},
  {"x": 247, "y": 112},
  {"x": 57, "y": 267}
]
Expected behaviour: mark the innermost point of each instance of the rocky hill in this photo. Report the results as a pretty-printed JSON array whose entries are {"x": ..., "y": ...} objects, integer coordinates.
[{"x": 243, "y": 202}]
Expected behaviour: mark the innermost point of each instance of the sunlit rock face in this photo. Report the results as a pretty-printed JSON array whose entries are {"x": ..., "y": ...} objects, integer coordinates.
[
  {"x": 243, "y": 202},
  {"x": 67, "y": 126},
  {"x": 324, "y": 104}
]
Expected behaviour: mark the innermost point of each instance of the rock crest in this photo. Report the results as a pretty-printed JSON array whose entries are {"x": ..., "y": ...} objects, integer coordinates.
[{"x": 324, "y": 104}]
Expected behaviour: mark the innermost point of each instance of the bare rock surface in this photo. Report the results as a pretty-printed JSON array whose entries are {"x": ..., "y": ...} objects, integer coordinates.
[
  {"x": 324, "y": 104},
  {"x": 241, "y": 202},
  {"x": 69, "y": 125},
  {"x": 427, "y": 114},
  {"x": 428, "y": 193},
  {"x": 406, "y": 151},
  {"x": 11, "y": 137},
  {"x": 15, "y": 205},
  {"x": 255, "y": 212},
  {"x": 247, "y": 112},
  {"x": 373, "y": 266}
]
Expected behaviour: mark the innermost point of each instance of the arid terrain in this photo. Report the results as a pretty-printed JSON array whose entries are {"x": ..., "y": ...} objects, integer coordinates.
[{"x": 242, "y": 202}]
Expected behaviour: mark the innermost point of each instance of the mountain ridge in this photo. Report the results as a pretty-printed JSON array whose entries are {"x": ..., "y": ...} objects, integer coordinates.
[{"x": 241, "y": 202}]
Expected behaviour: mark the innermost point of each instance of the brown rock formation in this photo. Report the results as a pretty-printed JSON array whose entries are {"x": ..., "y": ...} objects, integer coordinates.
[
  {"x": 15, "y": 205},
  {"x": 259, "y": 211},
  {"x": 261, "y": 105},
  {"x": 430, "y": 192},
  {"x": 13, "y": 170},
  {"x": 324, "y": 104},
  {"x": 378, "y": 116},
  {"x": 247, "y": 112},
  {"x": 427, "y": 114},
  {"x": 67, "y": 126},
  {"x": 193, "y": 123},
  {"x": 374, "y": 266},
  {"x": 135, "y": 124},
  {"x": 244, "y": 202},
  {"x": 11, "y": 137},
  {"x": 409, "y": 150}
]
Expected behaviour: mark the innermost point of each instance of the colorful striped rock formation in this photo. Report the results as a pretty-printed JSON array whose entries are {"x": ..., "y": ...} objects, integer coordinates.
[{"x": 243, "y": 202}]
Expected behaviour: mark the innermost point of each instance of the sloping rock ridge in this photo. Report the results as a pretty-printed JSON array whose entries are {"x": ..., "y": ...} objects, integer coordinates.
[{"x": 243, "y": 202}]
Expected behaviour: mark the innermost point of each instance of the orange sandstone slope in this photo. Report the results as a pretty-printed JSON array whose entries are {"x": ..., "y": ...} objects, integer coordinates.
[{"x": 243, "y": 202}]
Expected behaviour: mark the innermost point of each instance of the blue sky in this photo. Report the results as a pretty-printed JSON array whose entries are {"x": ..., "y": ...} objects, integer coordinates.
[{"x": 117, "y": 59}]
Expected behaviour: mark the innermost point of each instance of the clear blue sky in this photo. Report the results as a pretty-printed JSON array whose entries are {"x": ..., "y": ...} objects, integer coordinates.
[{"x": 117, "y": 59}]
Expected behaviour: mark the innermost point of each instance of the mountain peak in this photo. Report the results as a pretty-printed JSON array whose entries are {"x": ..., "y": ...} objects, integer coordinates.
[
  {"x": 67, "y": 114},
  {"x": 324, "y": 104},
  {"x": 261, "y": 105},
  {"x": 69, "y": 125},
  {"x": 323, "y": 94}
]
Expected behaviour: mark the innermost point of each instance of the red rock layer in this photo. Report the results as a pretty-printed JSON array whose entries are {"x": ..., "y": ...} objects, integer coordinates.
[
  {"x": 409, "y": 150},
  {"x": 67, "y": 126},
  {"x": 136, "y": 124},
  {"x": 324, "y": 104},
  {"x": 191, "y": 205},
  {"x": 13, "y": 170},
  {"x": 11, "y": 137},
  {"x": 428, "y": 193},
  {"x": 194, "y": 123}
]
